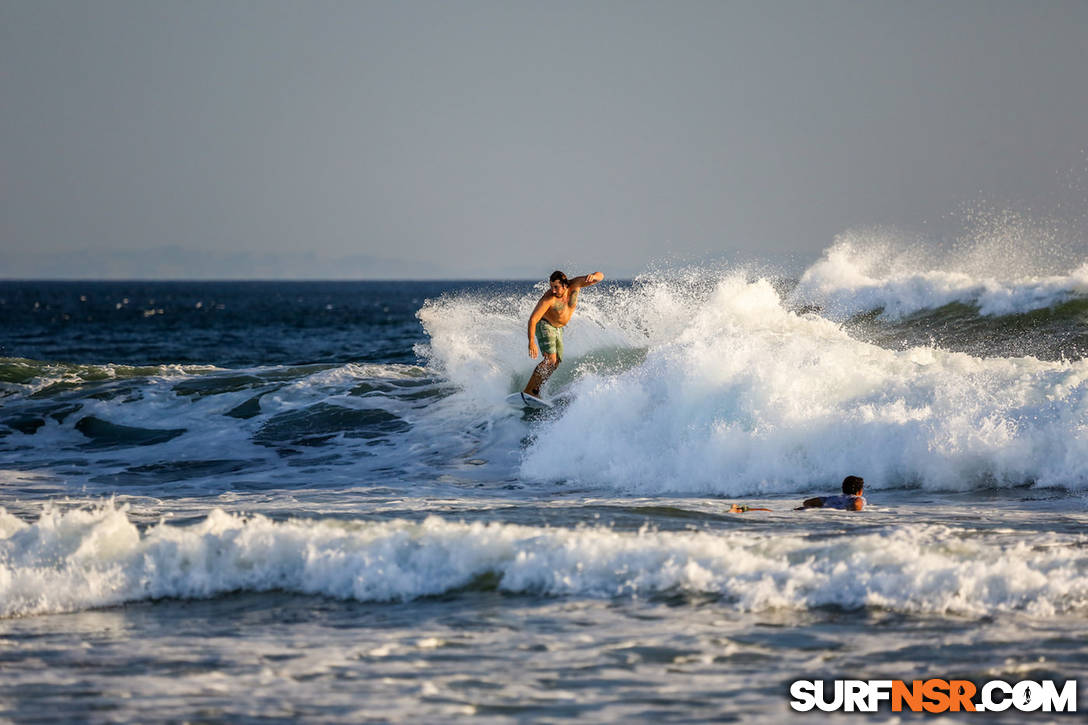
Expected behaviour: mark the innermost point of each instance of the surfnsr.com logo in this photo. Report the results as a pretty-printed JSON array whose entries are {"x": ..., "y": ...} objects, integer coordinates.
[{"x": 934, "y": 696}]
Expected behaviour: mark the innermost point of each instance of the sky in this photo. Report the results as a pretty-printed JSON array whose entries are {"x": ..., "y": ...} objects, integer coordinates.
[{"x": 478, "y": 139}]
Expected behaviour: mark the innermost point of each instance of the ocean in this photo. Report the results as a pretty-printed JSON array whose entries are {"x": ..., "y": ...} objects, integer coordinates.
[{"x": 308, "y": 501}]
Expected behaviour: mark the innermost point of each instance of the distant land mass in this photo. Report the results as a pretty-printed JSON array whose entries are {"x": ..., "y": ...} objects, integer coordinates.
[{"x": 175, "y": 262}]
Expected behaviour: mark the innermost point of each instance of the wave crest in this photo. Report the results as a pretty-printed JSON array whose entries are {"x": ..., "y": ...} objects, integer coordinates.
[
  {"x": 862, "y": 275},
  {"x": 79, "y": 559}
]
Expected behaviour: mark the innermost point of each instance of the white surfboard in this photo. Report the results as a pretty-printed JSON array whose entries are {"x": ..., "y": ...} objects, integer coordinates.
[{"x": 524, "y": 400}]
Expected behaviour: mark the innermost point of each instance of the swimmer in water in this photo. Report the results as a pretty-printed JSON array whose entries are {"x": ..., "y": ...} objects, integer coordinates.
[{"x": 850, "y": 500}]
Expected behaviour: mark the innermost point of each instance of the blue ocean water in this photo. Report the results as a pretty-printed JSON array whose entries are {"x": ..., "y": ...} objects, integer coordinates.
[{"x": 308, "y": 500}]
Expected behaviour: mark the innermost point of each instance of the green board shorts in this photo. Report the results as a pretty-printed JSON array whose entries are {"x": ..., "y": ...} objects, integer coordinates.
[{"x": 550, "y": 339}]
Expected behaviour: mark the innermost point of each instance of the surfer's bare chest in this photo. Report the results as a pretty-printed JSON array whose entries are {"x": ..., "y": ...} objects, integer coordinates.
[{"x": 561, "y": 309}]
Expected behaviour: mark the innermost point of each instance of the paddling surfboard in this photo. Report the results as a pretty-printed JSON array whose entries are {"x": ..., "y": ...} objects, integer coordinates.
[{"x": 524, "y": 400}]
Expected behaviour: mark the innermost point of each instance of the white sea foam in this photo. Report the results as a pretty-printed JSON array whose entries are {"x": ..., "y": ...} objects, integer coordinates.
[
  {"x": 856, "y": 276},
  {"x": 479, "y": 340},
  {"x": 82, "y": 559}
]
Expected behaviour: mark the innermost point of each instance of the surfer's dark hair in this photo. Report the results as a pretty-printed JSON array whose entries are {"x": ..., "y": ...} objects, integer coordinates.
[
  {"x": 557, "y": 275},
  {"x": 852, "y": 485}
]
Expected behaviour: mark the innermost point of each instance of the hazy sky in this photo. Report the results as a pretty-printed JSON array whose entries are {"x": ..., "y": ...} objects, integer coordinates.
[{"x": 472, "y": 139}]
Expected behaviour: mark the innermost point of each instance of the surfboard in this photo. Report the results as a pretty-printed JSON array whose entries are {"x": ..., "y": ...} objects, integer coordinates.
[{"x": 524, "y": 400}]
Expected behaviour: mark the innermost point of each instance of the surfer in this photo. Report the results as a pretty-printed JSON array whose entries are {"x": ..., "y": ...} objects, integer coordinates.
[
  {"x": 546, "y": 324},
  {"x": 850, "y": 500}
]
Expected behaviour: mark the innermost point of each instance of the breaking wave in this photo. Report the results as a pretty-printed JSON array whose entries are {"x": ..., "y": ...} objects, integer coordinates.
[
  {"x": 79, "y": 559},
  {"x": 856, "y": 277}
]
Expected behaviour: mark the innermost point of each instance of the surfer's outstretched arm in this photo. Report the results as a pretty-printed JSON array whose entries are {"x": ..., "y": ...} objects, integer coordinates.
[{"x": 586, "y": 280}]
